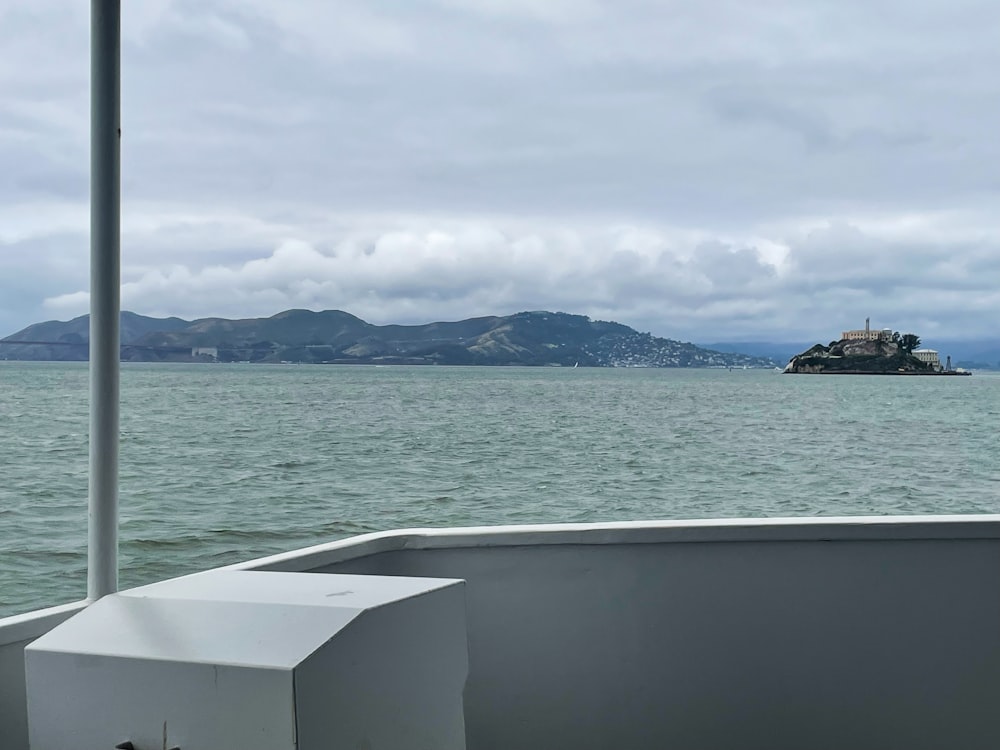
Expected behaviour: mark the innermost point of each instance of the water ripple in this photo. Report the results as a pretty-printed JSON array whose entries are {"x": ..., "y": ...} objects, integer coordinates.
[{"x": 224, "y": 463}]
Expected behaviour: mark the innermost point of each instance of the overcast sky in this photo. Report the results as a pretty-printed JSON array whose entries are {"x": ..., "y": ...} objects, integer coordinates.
[{"x": 711, "y": 170}]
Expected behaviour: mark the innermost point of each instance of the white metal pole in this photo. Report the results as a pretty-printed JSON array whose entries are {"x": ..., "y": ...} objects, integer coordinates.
[{"x": 105, "y": 274}]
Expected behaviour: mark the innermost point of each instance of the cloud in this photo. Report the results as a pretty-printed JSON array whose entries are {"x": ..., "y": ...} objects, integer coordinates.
[
  {"x": 720, "y": 168},
  {"x": 671, "y": 282},
  {"x": 557, "y": 12},
  {"x": 411, "y": 276}
]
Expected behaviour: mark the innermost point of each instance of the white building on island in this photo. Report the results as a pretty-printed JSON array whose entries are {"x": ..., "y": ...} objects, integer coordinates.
[{"x": 930, "y": 356}]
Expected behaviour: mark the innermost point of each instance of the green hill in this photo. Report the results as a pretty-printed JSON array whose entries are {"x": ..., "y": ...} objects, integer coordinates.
[{"x": 334, "y": 336}]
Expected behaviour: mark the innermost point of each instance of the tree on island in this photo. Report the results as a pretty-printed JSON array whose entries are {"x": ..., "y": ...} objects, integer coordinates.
[{"x": 908, "y": 342}]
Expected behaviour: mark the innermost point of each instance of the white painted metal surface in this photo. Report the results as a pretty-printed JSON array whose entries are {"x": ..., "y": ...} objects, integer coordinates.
[
  {"x": 105, "y": 303},
  {"x": 237, "y": 660},
  {"x": 15, "y": 634},
  {"x": 868, "y": 633}
]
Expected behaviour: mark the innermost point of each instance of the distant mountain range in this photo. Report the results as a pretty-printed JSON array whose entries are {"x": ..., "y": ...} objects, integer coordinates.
[
  {"x": 337, "y": 337},
  {"x": 780, "y": 352}
]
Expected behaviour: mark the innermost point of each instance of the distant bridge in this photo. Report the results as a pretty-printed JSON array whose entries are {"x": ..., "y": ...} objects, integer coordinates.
[
  {"x": 86, "y": 344},
  {"x": 46, "y": 343},
  {"x": 144, "y": 347}
]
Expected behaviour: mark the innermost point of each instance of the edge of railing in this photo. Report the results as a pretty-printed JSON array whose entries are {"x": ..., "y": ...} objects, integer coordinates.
[
  {"x": 817, "y": 529},
  {"x": 832, "y": 529},
  {"x": 30, "y": 625}
]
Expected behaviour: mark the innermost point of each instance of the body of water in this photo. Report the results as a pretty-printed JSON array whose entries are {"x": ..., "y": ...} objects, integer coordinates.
[{"x": 222, "y": 463}]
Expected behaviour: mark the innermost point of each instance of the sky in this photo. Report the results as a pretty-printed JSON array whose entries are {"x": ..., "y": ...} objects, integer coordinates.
[{"x": 707, "y": 171}]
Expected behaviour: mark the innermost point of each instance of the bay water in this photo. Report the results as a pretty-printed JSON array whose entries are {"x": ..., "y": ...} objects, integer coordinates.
[{"x": 221, "y": 463}]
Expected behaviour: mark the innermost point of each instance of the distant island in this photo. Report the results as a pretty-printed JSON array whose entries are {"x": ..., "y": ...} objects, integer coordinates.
[
  {"x": 335, "y": 337},
  {"x": 871, "y": 352}
]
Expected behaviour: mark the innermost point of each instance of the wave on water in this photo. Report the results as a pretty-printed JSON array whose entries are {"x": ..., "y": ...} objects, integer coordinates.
[{"x": 215, "y": 469}]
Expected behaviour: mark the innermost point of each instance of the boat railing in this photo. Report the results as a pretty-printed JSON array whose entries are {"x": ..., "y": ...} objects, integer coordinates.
[{"x": 865, "y": 632}]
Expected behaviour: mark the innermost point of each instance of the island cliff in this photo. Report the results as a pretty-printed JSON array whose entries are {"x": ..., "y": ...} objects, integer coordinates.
[{"x": 858, "y": 357}]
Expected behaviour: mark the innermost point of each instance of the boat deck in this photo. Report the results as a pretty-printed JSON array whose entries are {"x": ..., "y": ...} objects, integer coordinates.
[{"x": 820, "y": 633}]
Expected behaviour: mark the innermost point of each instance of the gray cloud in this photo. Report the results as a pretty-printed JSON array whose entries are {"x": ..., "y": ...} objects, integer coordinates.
[
  {"x": 703, "y": 170},
  {"x": 830, "y": 278}
]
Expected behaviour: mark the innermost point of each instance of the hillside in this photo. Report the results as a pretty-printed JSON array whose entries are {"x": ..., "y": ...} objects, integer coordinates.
[
  {"x": 778, "y": 351},
  {"x": 334, "y": 336}
]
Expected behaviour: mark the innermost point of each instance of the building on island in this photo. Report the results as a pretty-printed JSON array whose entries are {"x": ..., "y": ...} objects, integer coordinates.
[
  {"x": 211, "y": 352},
  {"x": 930, "y": 356},
  {"x": 867, "y": 334}
]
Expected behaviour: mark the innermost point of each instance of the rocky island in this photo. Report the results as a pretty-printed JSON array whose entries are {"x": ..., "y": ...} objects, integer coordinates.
[{"x": 870, "y": 352}]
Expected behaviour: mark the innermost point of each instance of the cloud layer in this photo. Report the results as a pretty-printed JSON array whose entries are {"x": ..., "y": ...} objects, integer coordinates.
[{"x": 702, "y": 170}]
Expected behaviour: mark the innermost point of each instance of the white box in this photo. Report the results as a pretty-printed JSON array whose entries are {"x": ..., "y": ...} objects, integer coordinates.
[{"x": 253, "y": 660}]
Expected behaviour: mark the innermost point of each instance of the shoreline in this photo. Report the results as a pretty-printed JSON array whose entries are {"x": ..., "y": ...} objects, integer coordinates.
[{"x": 947, "y": 373}]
